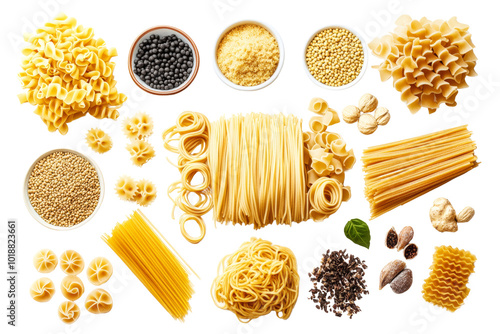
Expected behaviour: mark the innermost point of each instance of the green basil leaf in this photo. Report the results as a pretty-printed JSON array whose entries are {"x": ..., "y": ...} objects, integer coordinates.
[{"x": 358, "y": 232}]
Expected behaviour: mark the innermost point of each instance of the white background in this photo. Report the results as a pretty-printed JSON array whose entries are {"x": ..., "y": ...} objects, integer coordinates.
[{"x": 24, "y": 138}]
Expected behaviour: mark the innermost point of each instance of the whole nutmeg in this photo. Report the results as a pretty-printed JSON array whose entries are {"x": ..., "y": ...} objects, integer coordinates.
[
  {"x": 402, "y": 282},
  {"x": 390, "y": 270},
  {"x": 382, "y": 116},
  {"x": 367, "y": 124},
  {"x": 350, "y": 114},
  {"x": 368, "y": 103}
]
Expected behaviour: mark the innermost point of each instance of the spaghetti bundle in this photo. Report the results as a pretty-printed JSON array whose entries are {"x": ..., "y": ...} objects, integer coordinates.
[
  {"x": 158, "y": 266},
  {"x": 398, "y": 172},
  {"x": 257, "y": 279},
  {"x": 257, "y": 170}
]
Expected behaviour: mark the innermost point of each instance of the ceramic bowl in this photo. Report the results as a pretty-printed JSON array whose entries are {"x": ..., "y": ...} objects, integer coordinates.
[
  {"x": 35, "y": 214},
  {"x": 278, "y": 68},
  {"x": 363, "y": 69},
  {"x": 163, "y": 31}
]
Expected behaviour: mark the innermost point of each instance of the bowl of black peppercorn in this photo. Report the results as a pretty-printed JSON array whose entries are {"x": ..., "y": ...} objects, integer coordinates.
[{"x": 163, "y": 60}]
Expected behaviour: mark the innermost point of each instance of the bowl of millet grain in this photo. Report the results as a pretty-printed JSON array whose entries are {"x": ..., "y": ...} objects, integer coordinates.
[
  {"x": 248, "y": 55},
  {"x": 63, "y": 189},
  {"x": 335, "y": 57}
]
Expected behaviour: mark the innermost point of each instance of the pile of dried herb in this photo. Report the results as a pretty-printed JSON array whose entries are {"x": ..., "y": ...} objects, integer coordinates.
[{"x": 340, "y": 277}]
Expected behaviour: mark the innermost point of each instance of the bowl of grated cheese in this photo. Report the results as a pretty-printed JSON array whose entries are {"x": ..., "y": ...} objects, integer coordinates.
[{"x": 248, "y": 55}]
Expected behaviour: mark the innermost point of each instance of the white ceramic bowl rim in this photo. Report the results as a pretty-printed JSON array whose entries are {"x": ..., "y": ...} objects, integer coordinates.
[
  {"x": 32, "y": 211},
  {"x": 166, "y": 30},
  {"x": 365, "y": 58},
  {"x": 266, "y": 83}
]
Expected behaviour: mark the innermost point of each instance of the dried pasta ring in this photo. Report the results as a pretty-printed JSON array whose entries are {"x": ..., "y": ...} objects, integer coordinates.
[
  {"x": 201, "y": 225},
  {"x": 188, "y": 173}
]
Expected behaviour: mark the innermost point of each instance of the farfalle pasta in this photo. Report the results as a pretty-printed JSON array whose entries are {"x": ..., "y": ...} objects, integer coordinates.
[
  {"x": 140, "y": 151},
  {"x": 68, "y": 312},
  {"x": 99, "y": 301},
  {"x": 71, "y": 262},
  {"x": 139, "y": 126},
  {"x": 126, "y": 188},
  {"x": 72, "y": 287},
  {"x": 99, "y": 270},
  {"x": 146, "y": 193},
  {"x": 45, "y": 261},
  {"x": 98, "y": 140},
  {"x": 42, "y": 290},
  {"x": 427, "y": 60},
  {"x": 68, "y": 74}
]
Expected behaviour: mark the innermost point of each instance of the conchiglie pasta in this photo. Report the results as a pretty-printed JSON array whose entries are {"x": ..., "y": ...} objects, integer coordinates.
[
  {"x": 71, "y": 262},
  {"x": 126, "y": 188},
  {"x": 68, "y": 312},
  {"x": 45, "y": 261},
  {"x": 42, "y": 290},
  {"x": 99, "y": 141},
  {"x": 99, "y": 270},
  {"x": 72, "y": 287},
  {"x": 139, "y": 126},
  {"x": 140, "y": 151},
  {"x": 68, "y": 74},
  {"x": 146, "y": 193},
  {"x": 99, "y": 301}
]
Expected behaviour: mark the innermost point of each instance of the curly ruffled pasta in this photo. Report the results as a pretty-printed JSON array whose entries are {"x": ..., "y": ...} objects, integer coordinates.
[
  {"x": 99, "y": 141},
  {"x": 99, "y": 270},
  {"x": 141, "y": 152},
  {"x": 427, "y": 60},
  {"x": 146, "y": 193},
  {"x": 126, "y": 188},
  {"x": 68, "y": 74},
  {"x": 45, "y": 261},
  {"x": 139, "y": 126}
]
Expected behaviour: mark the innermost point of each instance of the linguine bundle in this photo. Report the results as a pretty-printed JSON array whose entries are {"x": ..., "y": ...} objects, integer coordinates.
[
  {"x": 257, "y": 170},
  {"x": 398, "y": 172},
  {"x": 257, "y": 279}
]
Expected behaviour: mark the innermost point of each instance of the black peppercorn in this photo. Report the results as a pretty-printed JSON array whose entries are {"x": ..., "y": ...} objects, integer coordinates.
[{"x": 163, "y": 62}]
